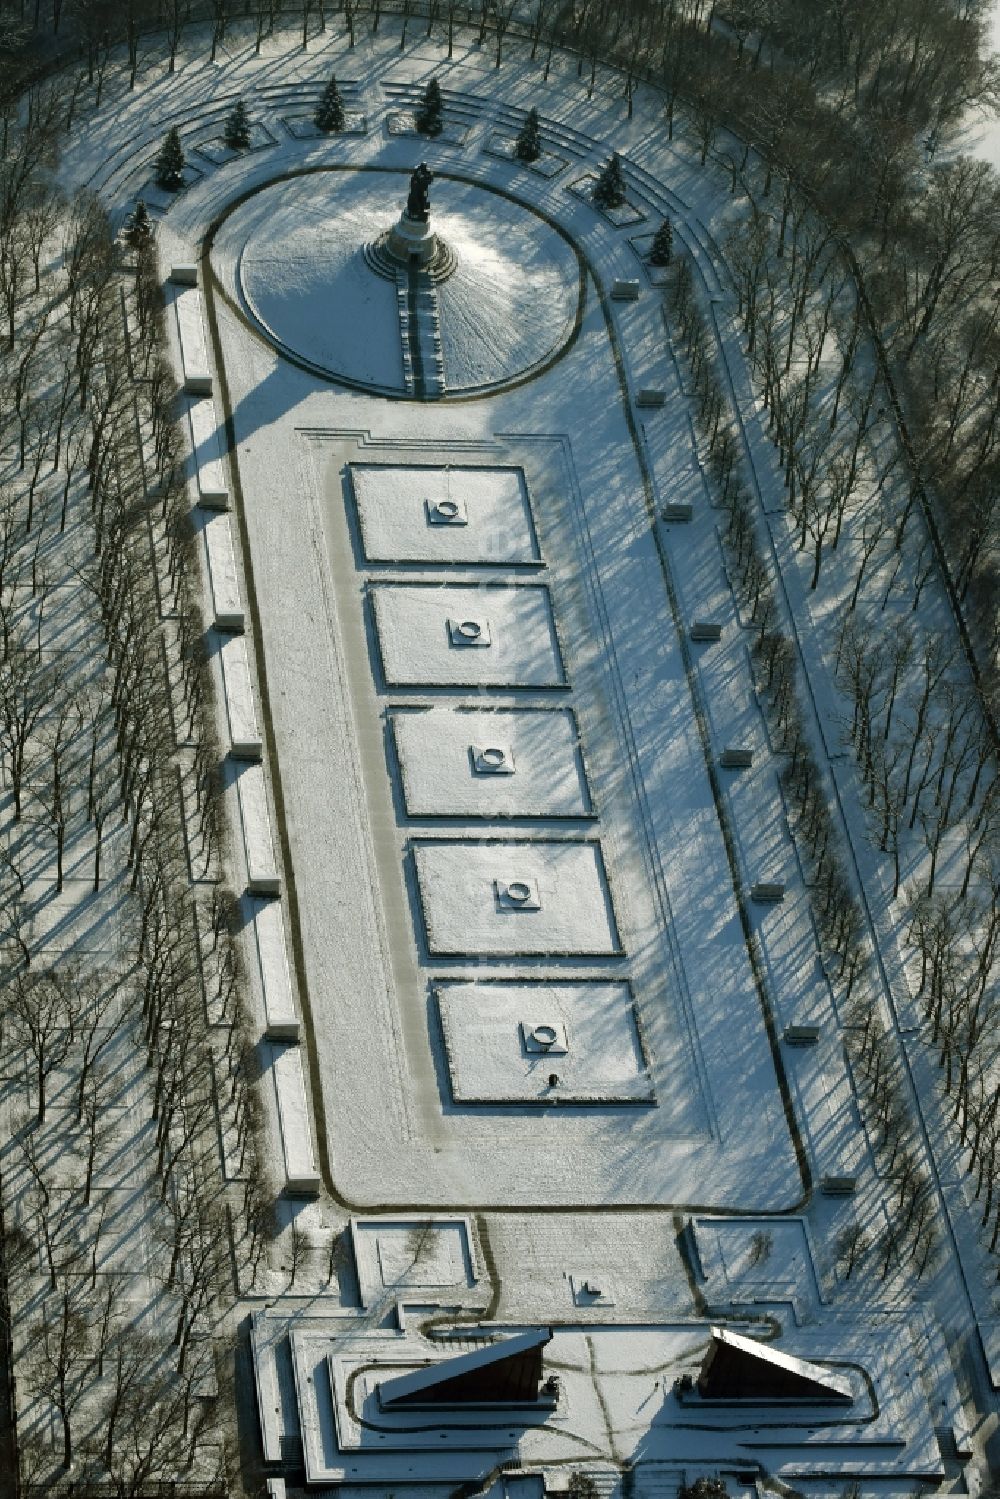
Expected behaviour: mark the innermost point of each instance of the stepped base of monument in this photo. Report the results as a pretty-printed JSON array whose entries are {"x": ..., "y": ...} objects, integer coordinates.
[{"x": 411, "y": 243}]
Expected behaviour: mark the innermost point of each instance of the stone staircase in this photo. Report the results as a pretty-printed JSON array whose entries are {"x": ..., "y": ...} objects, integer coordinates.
[
  {"x": 420, "y": 335},
  {"x": 403, "y": 313},
  {"x": 429, "y": 334}
]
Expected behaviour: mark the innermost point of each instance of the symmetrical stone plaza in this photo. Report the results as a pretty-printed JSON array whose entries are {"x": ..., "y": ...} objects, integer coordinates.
[{"x": 527, "y": 1027}]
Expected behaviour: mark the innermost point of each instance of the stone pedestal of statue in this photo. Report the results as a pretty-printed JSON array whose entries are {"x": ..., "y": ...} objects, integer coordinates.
[{"x": 412, "y": 241}]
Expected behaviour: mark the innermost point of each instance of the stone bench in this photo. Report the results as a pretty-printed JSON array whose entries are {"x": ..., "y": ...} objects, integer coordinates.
[
  {"x": 801, "y": 1035},
  {"x": 185, "y": 273},
  {"x": 301, "y": 1176},
  {"x": 206, "y": 445},
  {"x": 263, "y": 875},
  {"x": 265, "y": 1370},
  {"x": 281, "y": 1018},
  {"x": 227, "y": 604},
  {"x": 838, "y": 1186},
  {"x": 244, "y": 735},
  {"x": 194, "y": 348}
]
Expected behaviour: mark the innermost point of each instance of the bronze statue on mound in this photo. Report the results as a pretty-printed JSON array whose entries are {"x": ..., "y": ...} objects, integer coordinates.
[
  {"x": 411, "y": 243},
  {"x": 418, "y": 204}
]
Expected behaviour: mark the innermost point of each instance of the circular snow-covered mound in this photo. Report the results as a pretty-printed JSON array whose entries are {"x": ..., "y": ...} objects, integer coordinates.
[{"x": 508, "y": 308}]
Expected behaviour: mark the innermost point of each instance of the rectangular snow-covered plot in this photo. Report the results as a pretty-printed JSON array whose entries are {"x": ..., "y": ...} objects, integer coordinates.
[
  {"x": 206, "y": 445},
  {"x": 510, "y": 898},
  {"x": 244, "y": 734},
  {"x": 301, "y": 1174},
  {"x": 411, "y": 1254},
  {"x": 263, "y": 876},
  {"x": 281, "y": 1019},
  {"x": 445, "y": 635},
  {"x": 425, "y": 514},
  {"x": 227, "y": 604},
  {"x": 264, "y": 1340},
  {"x": 821, "y": 1089},
  {"x": 506, "y": 1041},
  {"x": 194, "y": 348},
  {"x": 501, "y": 762},
  {"x": 737, "y": 1269}
]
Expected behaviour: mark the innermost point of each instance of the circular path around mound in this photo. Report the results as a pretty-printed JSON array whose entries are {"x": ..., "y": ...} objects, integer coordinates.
[{"x": 509, "y": 309}]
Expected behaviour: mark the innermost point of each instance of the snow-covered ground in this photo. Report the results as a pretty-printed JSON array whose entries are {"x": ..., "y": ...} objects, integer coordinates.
[
  {"x": 714, "y": 978},
  {"x": 515, "y": 899},
  {"x": 450, "y": 514},
  {"x": 311, "y": 289},
  {"x": 433, "y": 635},
  {"x": 667, "y": 864},
  {"x": 490, "y": 763}
]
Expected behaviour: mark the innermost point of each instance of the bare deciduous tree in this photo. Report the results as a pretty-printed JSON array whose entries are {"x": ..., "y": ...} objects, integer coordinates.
[
  {"x": 61, "y": 1354},
  {"x": 42, "y": 1007}
]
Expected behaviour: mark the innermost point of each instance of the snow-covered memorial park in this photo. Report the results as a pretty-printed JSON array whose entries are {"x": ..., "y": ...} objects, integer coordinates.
[{"x": 499, "y": 827}]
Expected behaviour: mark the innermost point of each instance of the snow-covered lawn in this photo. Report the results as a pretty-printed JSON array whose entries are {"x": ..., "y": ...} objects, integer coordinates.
[
  {"x": 433, "y": 635},
  {"x": 499, "y": 1049},
  {"x": 515, "y": 899},
  {"x": 490, "y": 763},
  {"x": 441, "y": 515},
  {"x": 303, "y": 274}
]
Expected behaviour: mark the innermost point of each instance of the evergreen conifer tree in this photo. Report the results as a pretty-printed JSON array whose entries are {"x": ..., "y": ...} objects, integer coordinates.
[
  {"x": 528, "y": 146},
  {"x": 704, "y": 1488},
  {"x": 170, "y": 162},
  {"x": 330, "y": 114},
  {"x": 237, "y": 128},
  {"x": 663, "y": 244},
  {"x": 609, "y": 189},
  {"x": 429, "y": 116},
  {"x": 139, "y": 228}
]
